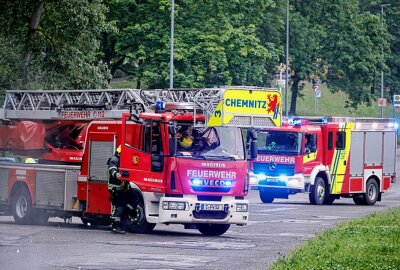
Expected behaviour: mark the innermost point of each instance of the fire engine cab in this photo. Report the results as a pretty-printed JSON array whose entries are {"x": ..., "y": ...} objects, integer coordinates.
[
  {"x": 185, "y": 159},
  {"x": 328, "y": 158}
]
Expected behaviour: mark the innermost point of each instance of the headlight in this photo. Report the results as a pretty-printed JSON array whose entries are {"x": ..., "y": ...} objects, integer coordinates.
[
  {"x": 253, "y": 180},
  {"x": 283, "y": 178},
  {"x": 174, "y": 205},
  {"x": 242, "y": 207},
  {"x": 261, "y": 176}
]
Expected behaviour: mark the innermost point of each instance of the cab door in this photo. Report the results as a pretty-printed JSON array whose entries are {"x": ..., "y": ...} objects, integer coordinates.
[
  {"x": 311, "y": 155},
  {"x": 142, "y": 155}
]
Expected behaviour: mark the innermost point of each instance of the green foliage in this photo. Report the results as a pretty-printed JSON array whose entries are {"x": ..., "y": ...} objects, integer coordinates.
[
  {"x": 83, "y": 43},
  {"x": 10, "y": 63},
  {"x": 369, "y": 243},
  {"x": 344, "y": 47},
  {"x": 62, "y": 51},
  {"x": 216, "y": 43}
]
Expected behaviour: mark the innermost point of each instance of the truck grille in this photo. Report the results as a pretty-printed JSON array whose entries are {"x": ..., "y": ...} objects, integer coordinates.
[
  {"x": 276, "y": 170},
  {"x": 212, "y": 189}
]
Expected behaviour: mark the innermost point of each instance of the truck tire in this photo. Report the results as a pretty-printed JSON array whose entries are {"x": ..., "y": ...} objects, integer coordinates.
[
  {"x": 23, "y": 212},
  {"x": 265, "y": 196},
  {"x": 136, "y": 221},
  {"x": 372, "y": 192},
  {"x": 22, "y": 206},
  {"x": 212, "y": 229},
  {"x": 318, "y": 192}
]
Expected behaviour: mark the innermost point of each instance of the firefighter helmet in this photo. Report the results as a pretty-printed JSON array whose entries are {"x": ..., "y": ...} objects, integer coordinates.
[
  {"x": 30, "y": 160},
  {"x": 186, "y": 142}
]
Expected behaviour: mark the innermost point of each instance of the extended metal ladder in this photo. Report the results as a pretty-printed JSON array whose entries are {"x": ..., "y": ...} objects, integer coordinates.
[
  {"x": 87, "y": 105},
  {"x": 56, "y": 104}
]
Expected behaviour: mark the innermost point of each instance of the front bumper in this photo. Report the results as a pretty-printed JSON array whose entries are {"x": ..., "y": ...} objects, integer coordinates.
[
  {"x": 295, "y": 182},
  {"x": 227, "y": 211}
]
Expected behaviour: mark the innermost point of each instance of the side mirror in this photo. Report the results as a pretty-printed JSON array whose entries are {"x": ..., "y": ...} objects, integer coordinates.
[
  {"x": 172, "y": 130},
  {"x": 253, "y": 150},
  {"x": 253, "y": 144},
  {"x": 172, "y": 146},
  {"x": 172, "y": 139}
]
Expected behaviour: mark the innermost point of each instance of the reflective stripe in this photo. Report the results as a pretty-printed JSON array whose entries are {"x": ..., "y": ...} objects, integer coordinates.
[
  {"x": 113, "y": 167},
  {"x": 119, "y": 187}
]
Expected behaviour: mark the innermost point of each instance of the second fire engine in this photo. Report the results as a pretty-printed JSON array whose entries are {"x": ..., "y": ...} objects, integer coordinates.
[{"x": 328, "y": 158}]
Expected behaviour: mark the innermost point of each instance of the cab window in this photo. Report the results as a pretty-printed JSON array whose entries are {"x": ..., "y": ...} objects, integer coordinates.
[{"x": 311, "y": 143}]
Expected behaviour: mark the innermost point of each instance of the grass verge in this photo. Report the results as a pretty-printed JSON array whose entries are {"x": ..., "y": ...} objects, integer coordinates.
[{"x": 372, "y": 242}]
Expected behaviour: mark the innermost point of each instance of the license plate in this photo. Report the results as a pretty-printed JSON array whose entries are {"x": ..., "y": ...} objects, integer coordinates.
[{"x": 212, "y": 207}]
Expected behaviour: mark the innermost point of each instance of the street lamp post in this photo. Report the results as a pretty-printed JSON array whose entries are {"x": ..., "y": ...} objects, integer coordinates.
[
  {"x": 382, "y": 80},
  {"x": 287, "y": 60},
  {"x": 171, "y": 61}
]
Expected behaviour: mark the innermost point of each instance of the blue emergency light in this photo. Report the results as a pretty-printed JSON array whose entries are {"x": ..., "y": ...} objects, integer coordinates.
[{"x": 160, "y": 106}]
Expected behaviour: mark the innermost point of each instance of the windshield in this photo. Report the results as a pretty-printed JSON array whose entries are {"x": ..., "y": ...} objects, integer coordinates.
[
  {"x": 211, "y": 143},
  {"x": 279, "y": 142}
]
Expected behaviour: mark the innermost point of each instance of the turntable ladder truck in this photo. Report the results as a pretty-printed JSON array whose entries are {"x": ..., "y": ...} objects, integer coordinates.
[{"x": 70, "y": 135}]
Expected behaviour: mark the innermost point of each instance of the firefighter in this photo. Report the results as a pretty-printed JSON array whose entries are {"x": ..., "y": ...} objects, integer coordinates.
[
  {"x": 118, "y": 193},
  {"x": 185, "y": 138},
  {"x": 310, "y": 146}
]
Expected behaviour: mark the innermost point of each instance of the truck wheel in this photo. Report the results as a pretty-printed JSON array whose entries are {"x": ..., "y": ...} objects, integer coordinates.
[
  {"x": 266, "y": 197},
  {"x": 22, "y": 206},
  {"x": 136, "y": 220},
  {"x": 372, "y": 192},
  {"x": 318, "y": 192},
  {"x": 212, "y": 229}
]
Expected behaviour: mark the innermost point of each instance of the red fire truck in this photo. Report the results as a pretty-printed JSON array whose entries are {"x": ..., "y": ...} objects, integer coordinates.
[
  {"x": 328, "y": 158},
  {"x": 70, "y": 135}
]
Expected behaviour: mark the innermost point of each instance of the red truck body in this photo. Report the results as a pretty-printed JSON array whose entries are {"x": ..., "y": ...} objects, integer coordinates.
[
  {"x": 70, "y": 135},
  {"x": 347, "y": 157}
]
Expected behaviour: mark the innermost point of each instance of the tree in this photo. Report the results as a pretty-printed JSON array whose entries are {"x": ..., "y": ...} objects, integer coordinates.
[
  {"x": 216, "y": 42},
  {"x": 391, "y": 19},
  {"x": 59, "y": 41},
  {"x": 342, "y": 47},
  {"x": 304, "y": 61}
]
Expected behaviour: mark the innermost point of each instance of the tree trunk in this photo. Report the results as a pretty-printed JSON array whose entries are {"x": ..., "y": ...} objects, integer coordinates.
[
  {"x": 295, "y": 92},
  {"x": 33, "y": 26}
]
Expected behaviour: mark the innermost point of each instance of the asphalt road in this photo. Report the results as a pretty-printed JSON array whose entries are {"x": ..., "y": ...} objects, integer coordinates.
[{"x": 273, "y": 231}]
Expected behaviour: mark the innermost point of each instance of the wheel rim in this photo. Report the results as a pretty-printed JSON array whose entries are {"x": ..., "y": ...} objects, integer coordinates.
[
  {"x": 372, "y": 192},
  {"x": 21, "y": 207},
  {"x": 139, "y": 215},
  {"x": 320, "y": 191}
]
